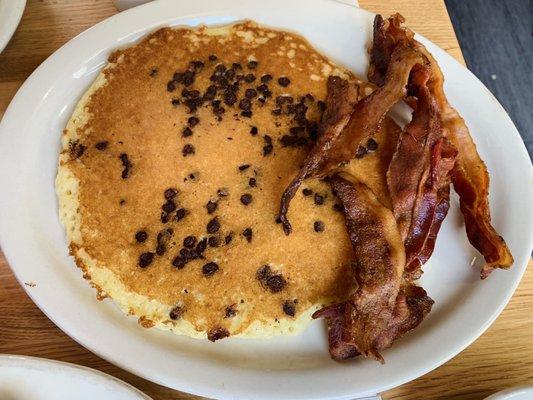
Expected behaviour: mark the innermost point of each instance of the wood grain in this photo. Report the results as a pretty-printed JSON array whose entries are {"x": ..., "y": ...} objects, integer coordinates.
[{"x": 501, "y": 358}]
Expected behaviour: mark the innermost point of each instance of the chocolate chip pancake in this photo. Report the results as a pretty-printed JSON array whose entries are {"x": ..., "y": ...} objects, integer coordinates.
[{"x": 171, "y": 171}]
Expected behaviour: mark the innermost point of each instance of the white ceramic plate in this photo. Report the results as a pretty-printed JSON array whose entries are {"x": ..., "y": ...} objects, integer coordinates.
[
  {"x": 23, "y": 378},
  {"x": 518, "y": 393},
  {"x": 296, "y": 367},
  {"x": 10, "y": 15}
]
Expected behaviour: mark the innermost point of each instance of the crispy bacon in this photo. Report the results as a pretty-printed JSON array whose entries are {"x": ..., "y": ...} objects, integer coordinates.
[
  {"x": 412, "y": 306},
  {"x": 337, "y": 143},
  {"x": 380, "y": 260},
  {"x": 469, "y": 176},
  {"x": 418, "y": 176}
]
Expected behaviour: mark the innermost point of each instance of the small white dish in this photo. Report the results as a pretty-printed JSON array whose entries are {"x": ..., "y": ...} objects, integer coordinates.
[
  {"x": 24, "y": 378},
  {"x": 10, "y": 15},
  {"x": 518, "y": 393},
  {"x": 296, "y": 367}
]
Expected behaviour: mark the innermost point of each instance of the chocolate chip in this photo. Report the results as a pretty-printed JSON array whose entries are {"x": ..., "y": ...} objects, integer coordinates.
[
  {"x": 170, "y": 193},
  {"x": 236, "y": 66},
  {"x": 220, "y": 68},
  {"x": 321, "y": 105},
  {"x": 244, "y": 167},
  {"x": 189, "y": 241},
  {"x": 145, "y": 259},
  {"x": 222, "y": 192},
  {"x": 171, "y": 86},
  {"x": 248, "y": 233},
  {"x": 253, "y": 131},
  {"x": 141, "y": 236},
  {"x": 275, "y": 283},
  {"x": 252, "y": 64},
  {"x": 213, "y": 226},
  {"x": 280, "y": 100},
  {"x": 228, "y": 238},
  {"x": 187, "y": 149},
  {"x": 193, "y": 94},
  {"x": 153, "y": 72},
  {"x": 371, "y": 145},
  {"x": 318, "y": 226},
  {"x": 249, "y": 78},
  {"x": 193, "y": 121},
  {"x": 309, "y": 97},
  {"x": 210, "y": 93},
  {"x": 250, "y": 93},
  {"x": 162, "y": 238},
  {"x": 193, "y": 104},
  {"x": 261, "y": 100},
  {"x": 160, "y": 249},
  {"x": 338, "y": 207},
  {"x": 219, "y": 111},
  {"x": 126, "y": 164},
  {"x": 267, "y": 149},
  {"x": 188, "y": 78},
  {"x": 164, "y": 217},
  {"x": 169, "y": 206},
  {"x": 186, "y": 132},
  {"x": 246, "y": 199},
  {"x": 246, "y": 113},
  {"x": 213, "y": 241},
  {"x": 266, "y": 78},
  {"x": 217, "y": 334},
  {"x": 361, "y": 152},
  {"x": 267, "y": 139},
  {"x": 252, "y": 182},
  {"x": 122, "y": 202},
  {"x": 211, "y": 206},
  {"x": 284, "y": 81},
  {"x": 230, "y": 98},
  {"x": 229, "y": 74},
  {"x": 179, "y": 261},
  {"x": 178, "y": 77},
  {"x": 230, "y": 311},
  {"x": 201, "y": 246},
  {"x": 312, "y": 130},
  {"x": 213, "y": 57},
  {"x": 175, "y": 102},
  {"x": 210, "y": 268},
  {"x": 196, "y": 65},
  {"x": 176, "y": 313},
  {"x": 180, "y": 214},
  {"x": 319, "y": 199},
  {"x": 101, "y": 145},
  {"x": 293, "y": 141},
  {"x": 289, "y": 308},
  {"x": 307, "y": 192},
  {"x": 263, "y": 273},
  {"x": 245, "y": 104}
]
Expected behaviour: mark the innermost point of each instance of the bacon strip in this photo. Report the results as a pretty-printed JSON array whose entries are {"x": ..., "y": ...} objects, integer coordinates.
[
  {"x": 470, "y": 177},
  {"x": 380, "y": 258},
  {"x": 337, "y": 143},
  {"x": 418, "y": 173}
]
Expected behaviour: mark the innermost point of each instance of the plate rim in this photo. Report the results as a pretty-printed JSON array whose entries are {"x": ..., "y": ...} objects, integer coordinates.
[
  {"x": 467, "y": 341},
  {"x": 13, "y": 22},
  {"x": 5, "y": 359}
]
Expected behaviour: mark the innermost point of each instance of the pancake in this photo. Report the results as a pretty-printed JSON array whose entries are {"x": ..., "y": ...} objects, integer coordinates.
[{"x": 170, "y": 174}]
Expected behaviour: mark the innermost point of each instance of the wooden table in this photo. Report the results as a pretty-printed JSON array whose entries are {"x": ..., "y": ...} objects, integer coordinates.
[{"x": 501, "y": 358}]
